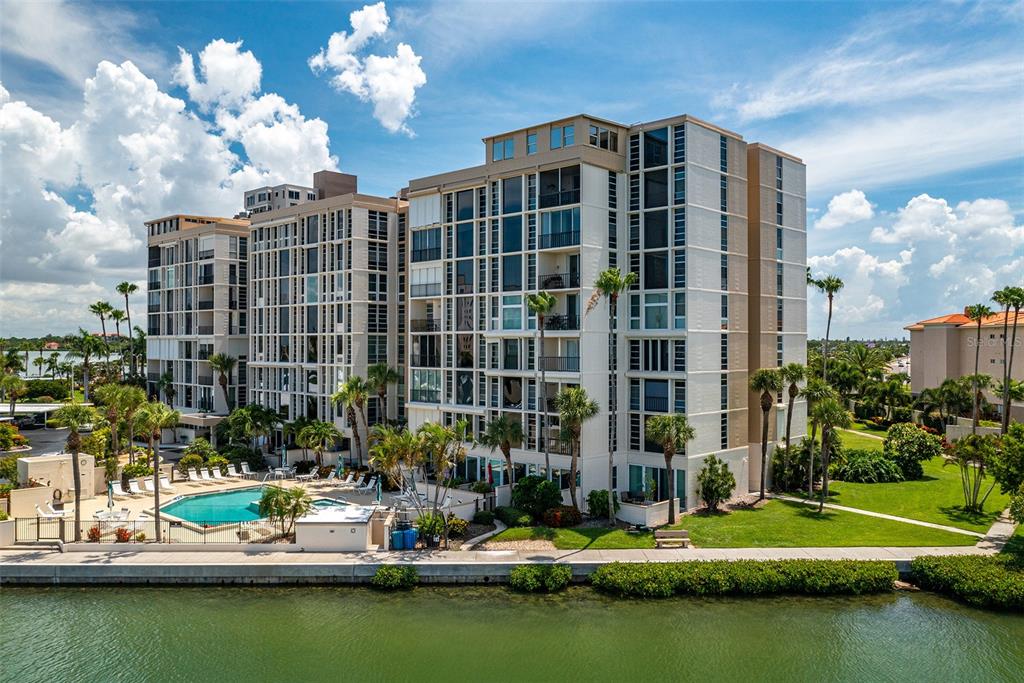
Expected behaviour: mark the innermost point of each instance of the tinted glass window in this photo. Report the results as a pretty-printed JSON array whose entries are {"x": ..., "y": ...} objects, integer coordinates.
[
  {"x": 656, "y": 270},
  {"x": 512, "y": 194},
  {"x": 656, "y": 147},
  {"x": 655, "y": 188},
  {"x": 512, "y": 233},
  {"x": 464, "y": 239},
  {"x": 464, "y": 205},
  {"x": 655, "y": 229},
  {"x": 464, "y": 276},
  {"x": 511, "y": 273}
]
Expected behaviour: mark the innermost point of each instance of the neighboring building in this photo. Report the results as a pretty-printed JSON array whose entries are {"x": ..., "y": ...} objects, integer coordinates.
[
  {"x": 277, "y": 197},
  {"x": 328, "y": 289},
  {"x": 197, "y": 306},
  {"x": 553, "y": 206},
  {"x": 944, "y": 347}
]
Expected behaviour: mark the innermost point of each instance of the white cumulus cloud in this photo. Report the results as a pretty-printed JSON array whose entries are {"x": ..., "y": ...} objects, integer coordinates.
[
  {"x": 387, "y": 82},
  {"x": 229, "y": 76},
  {"x": 843, "y": 209}
]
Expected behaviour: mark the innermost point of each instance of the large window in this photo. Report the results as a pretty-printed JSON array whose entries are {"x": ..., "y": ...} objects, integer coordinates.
[
  {"x": 503, "y": 149},
  {"x": 656, "y": 270},
  {"x": 464, "y": 239},
  {"x": 655, "y": 229},
  {"x": 464, "y": 276},
  {"x": 656, "y": 188},
  {"x": 464, "y": 205},
  {"x": 563, "y": 136},
  {"x": 559, "y": 186},
  {"x": 511, "y": 273},
  {"x": 656, "y": 147},
  {"x": 604, "y": 138},
  {"x": 560, "y": 228},
  {"x": 512, "y": 233},
  {"x": 426, "y": 245},
  {"x": 531, "y": 143},
  {"x": 656, "y": 311},
  {"x": 511, "y": 312},
  {"x": 512, "y": 194}
]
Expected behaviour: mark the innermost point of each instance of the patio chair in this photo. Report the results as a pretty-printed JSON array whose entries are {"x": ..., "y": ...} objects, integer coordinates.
[
  {"x": 40, "y": 512},
  {"x": 51, "y": 510},
  {"x": 246, "y": 472},
  {"x": 329, "y": 479},
  {"x": 147, "y": 485},
  {"x": 215, "y": 471},
  {"x": 165, "y": 484},
  {"x": 204, "y": 475},
  {"x": 117, "y": 490},
  {"x": 312, "y": 476},
  {"x": 134, "y": 489},
  {"x": 232, "y": 472},
  {"x": 368, "y": 487},
  {"x": 357, "y": 482}
]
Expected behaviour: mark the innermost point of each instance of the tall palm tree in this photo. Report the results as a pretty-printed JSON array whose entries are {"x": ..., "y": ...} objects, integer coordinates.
[
  {"x": 85, "y": 346},
  {"x": 673, "y": 432},
  {"x": 977, "y": 313},
  {"x": 1016, "y": 302},
  {"x": 166, "y": 385},
  {"x": 830, "y": 415},
  {"x": 223, "y": 365},
  {"x": 152, "y": 419},
  {"x": 111, "y": 397},
  {"x": 132, "y": 398},
  {"x": 53, "y": 364},
  {"x": 292, "y": 429},
  {"x": 766, "y": 382},
  {"x": 575, "y": 407},
  {"x": 118, "y": 317},
  {"x": 73, "y": 417},
  {"x": 1004, "y": 297},
  {"x": 320, "y": 436},
  {"x": 610, "y": 284},
  {"x": 540, "y": 304},
  {"x": 102, "y": 310},
  {"x": 39, "y": 362},
  {"x": 12, "y": 387},
  {"x": 379, "y": 376},
  {"x": 126, "y": 289},
  {"x": 830, "y": 286},
  {"x": 351, "y": 394},
  {"x": 504, "y": 433},
  {"x": 815, "y": 392},
  {"x": 792, "y": 374}
]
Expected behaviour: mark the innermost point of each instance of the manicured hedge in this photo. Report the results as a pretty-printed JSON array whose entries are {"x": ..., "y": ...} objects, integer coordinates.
[
  {"x": 513, "y": 516},
  {"x": 389, "y": 577},
  {"x": 483, "y": 517},
  {"x": 994, "y": 581},
  {"x": 563, "y": 516},
  {"x": 745, "y": 577},
  {"x": 539, "y": 578}
]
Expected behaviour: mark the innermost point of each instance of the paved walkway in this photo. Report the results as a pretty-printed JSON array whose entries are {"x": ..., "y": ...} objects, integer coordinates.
[
  {"x": 867, "y": 434},
  {"x": 882, "y": 515}
]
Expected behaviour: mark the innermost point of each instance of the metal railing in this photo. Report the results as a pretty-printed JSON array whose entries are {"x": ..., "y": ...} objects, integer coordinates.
[
  {"x": 559, "y": 281},
  {"x": 204, "y": 305},
  {"x": 205, "y": 380},
  {"x": 421, "y": 325},
  {"x": 655, "y": 404},
  {"x": 560, "y": 363},
  {"x": 558, "y": 446},
  {"x": 35, "y": 529},
  {"x": 561, "y": 322},
  {"x": 566, "y": 238},
  {"x": 432, "y": 289},
  {"x": 205, "y": 329},
  {"x": 204, "y": 280},
  {"x": 205, "y": 254},
  {"x": 425, "y": 395},
  {"x": 561, "y": 198},
  {"x": 426, "y": 254}
]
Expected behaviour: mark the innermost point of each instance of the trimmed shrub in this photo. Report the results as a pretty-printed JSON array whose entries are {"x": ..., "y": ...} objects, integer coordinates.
[
  {"x": 457, "y": 526},
  {"x": 597, "y": 503},
  {"x": 10, "y": 437},
  {"x": 745, "y": 577},
  {"x": 430, "y": 524},
  {"x": 189, "y": 461},
  {"x": 3, "y": 516},
  {"x": 200, "y": 447},
  {"x": 304, "y": 466},
  {"x": 219, "y": 462},
  {"x": 137, "y": 469},
  {"x": 483, "y": 517},
  {"x": 539, "y": 578},
  {"x": 388, "y": 577},
  {"x": 5, "y": 490},
  {"x": 867, "y": 467},
  {"x": 56, "y": 389},
  {"x": 908, "y": 446},
  {"x": 562, "y": 516},
  {"x": 9, "y": 468},
  {"x": 995, "y": 581},
  {"x": 534, "y": 495},
  {"x": 481, "y": 487},
  {"x": 513, "y": 516},
  {"x": 715, "y": 482}
]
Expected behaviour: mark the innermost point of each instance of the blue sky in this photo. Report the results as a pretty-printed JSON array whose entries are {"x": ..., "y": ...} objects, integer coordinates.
[{"x": 916, "y": 106}]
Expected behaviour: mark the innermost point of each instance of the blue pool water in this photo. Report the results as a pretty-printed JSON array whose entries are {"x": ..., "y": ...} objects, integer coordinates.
[{"x": 227, "y": 506}]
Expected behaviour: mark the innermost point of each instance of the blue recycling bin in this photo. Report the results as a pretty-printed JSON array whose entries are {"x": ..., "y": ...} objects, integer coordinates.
[
  {"x": 410, "y": 538},
  {"x": 398, "y": 540}
]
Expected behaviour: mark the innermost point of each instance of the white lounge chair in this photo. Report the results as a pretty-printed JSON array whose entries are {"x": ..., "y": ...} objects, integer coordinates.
[
  {"x": 232, "y": 472},
  {"x": 329, "y": 479},
  {"x": 134, "y": 489},
  {"x": 204, "y": 475},
  {"x": 52, "y": 511},
  {"x": 40, "y": 512},
  {"x": 313, "y": 475},
  {"x": 147, "y": 485},
  {"x": 246, "y": 472},
  {"x": 165, "y": 484},
  {"x": 356, "y": 482},
  {"x": 117, "y": 490},
  {"x": 370, "y": 486},
  {"x": 215, "y": 472}
]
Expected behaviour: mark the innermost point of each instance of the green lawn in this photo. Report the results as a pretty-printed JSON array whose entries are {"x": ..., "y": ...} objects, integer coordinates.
[
  {"x": 855, "y": 440},
  {"x": 783, "y": 524},
  {"x": 936, "y": 498},
  {"x": 575, "y": 539},
  {"x": 868, "y": 429}
]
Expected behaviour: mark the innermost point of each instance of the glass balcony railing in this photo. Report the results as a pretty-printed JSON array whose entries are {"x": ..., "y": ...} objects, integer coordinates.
[
  {"x": 205, "y": 305},
  {"x": 432, "y": 289},
  {"x": 425, "y": 395},
  {"x": 422, "y": 325},
  {"x": 424, "y": 360},
  {"x": 204, "y": 280},
  {"x": 655, "y": 404},
  {"x": 432, "y": 254}
]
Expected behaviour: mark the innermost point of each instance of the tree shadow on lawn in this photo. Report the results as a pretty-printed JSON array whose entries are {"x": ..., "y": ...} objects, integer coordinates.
[{"x": 956, "y": 513}]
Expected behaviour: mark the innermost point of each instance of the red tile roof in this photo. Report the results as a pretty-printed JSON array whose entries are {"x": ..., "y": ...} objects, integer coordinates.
[{"x": 959, "y": 320}]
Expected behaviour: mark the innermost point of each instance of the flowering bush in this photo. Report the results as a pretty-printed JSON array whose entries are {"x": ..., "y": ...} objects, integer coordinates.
[
  {"x": 908, "y": 446},
  {"x": 122, "y": 535},
  {"x": 93, "y": 534},
  {"x": 562, "y": 516}
]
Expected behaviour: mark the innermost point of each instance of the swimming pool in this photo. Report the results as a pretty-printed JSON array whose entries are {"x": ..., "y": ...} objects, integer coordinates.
[{"x": 240, "y": 505}]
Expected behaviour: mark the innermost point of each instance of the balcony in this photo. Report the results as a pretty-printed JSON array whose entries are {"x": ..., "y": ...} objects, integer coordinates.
[
  {"x": 422, "y": 325},
  {"x": 205, "y": 305},
  {"x": 550, "y": 199},
  {"x": 205, "y": 380},
  {"x": 561, "y": 322},
  {"x": 566, "y": 238},
  {"x": 205, "y": 254},
  {"x": 559, "y": 281},
  {"x": 424, "y": 360},
  {"x": 560, "y": 363},
  {"x": 558, "y": 446},
  {"x": 204, "y": 280},
  {"x": 154, "y": 262},
  {"x": 153, "y": 308},
  {"x": 153, "y": 286},
  {"x": 425, "y": 395},
  {"x": 204, "y": 354},
  {"x": 419, "y": 255},
  {"x": 432, "y": 289},
  {"x": 655, "y": 404},
  {"x": 204, "y": 329}
]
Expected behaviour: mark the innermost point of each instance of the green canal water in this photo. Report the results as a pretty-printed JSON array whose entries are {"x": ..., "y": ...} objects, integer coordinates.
[{"x": 488, "y": 634}]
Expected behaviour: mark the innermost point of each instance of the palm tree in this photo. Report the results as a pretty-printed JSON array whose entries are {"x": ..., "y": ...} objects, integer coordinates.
[
  {"x": 12, "y": 387},
  {"x": 118, "y": 317},
  {"x": 1016, "y": 302},
  {"x": 126, "y": 289},
  {"x": 830, "y": 285},
  {"x": 110, "y": 396},
  {"x": 74, "y": 416},
  {"x": 85, "y": 346},
  {"x": 767, "y": 382},
  {"x": 574, "y": 409},
  {"x": 152, "y": 418},
  {"x": 830, "y": 414},
  {"x": 223, "y": 365},
  {"x": 977, "y": 313},
  {"x": 610, "y": 284},
  {"x": 53, "y": 364},
  {"x": 132, "y": 398},
  {"x": 166, "y": 385},
  {"x": 320, "y": 436},
  {"x": 102, "y": 309},
  {"x": 867, "y": 362},
  {"x": 39, "y": 362},
  {"x": 540, "y": 304},
  {"x": 293, "y": 428},
  {"x": 815, "y": 392},
  {"x": 673, "y": 432},
  {"x": 504, "y": 433},
  {"x": 380, "y": 375},
  {"x": 352, "y": 395},
  {"x": 792, "y": 374}
]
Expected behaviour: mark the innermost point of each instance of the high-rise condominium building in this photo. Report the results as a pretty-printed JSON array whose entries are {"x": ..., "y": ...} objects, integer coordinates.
[
  {"x": 327, "y": 285},
  {"x": 276, "y": 197},
  {"x": 197, "y": 306},
  {"x": 553, "y": 206}
]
